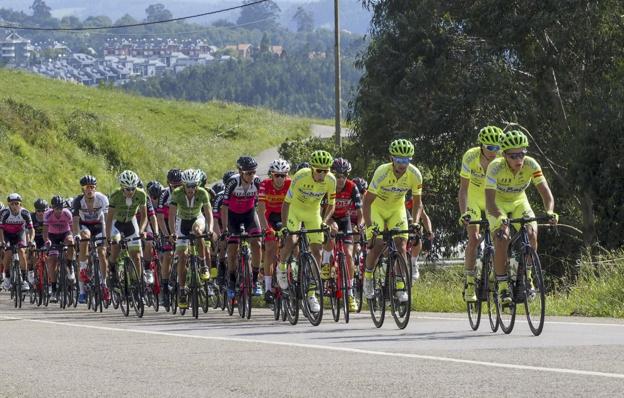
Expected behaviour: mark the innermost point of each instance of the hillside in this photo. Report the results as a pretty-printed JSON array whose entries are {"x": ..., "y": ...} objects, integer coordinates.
[{"x": 51, "y": 133}]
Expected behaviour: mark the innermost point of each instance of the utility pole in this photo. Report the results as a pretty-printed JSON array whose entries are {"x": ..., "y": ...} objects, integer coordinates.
[{"x": 337, "y": 72}]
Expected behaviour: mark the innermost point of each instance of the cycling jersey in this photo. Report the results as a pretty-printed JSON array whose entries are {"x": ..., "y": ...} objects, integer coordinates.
[
  {"x": 346, "y": 200},
  {"x": 471, "y": 169},
  {"x": 38, "y": 227},
  {"x": 510, "y": 186},
  {"x": 58, "y": 224},
  {"x": 15, "y": 223},
  {"x": 163, "y": 203},
  {"x": 306, "y": 193},
  {"x": 273, "y": 197},
  {"x": 390, "y": 191},
  {"x": 126, "y": 208},
  {"x": 95, "y": 214},
  {"x": 239, "y": 199},
  {"x": 189, "y": 209},
  {"x": 216, "y": 206}
]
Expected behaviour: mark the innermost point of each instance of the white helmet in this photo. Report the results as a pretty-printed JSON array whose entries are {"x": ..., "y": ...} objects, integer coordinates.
[
  {"x": 191, "y": 177},
  {"x": 279, "y": 166},
  {"x": 128, "y": 179}
]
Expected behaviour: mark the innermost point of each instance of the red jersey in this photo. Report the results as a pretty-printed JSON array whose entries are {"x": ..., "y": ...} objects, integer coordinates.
[
  {"x": 347, "y": 200},
  {"x": 271, "y": 196}
]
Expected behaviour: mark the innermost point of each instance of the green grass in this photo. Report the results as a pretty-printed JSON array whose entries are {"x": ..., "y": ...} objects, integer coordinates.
[{"x": 52, "y": 133}]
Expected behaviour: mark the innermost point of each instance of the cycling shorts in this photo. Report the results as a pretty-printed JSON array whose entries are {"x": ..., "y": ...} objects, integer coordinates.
[
  {"x": 512, "y": 209},
  {"x": 475, "y": 204},
  {"x": 248, "y": 219},
  {"x": 128, "y": 230},
  {"x": 388, "y": 219},
  {"x": 185, "y": 228},
  {"x": 311, "y": 220}
]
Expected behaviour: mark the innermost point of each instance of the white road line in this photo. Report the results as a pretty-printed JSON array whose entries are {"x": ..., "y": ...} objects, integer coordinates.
[
  {"x": 548, "y": 322},
  {"x": 330, "y": 348}
]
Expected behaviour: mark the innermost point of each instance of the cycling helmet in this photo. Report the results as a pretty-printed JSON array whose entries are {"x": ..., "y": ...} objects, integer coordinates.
[
  {"x": 174, "y": 176},
  {"x": 68, "y": 202},
  {"x": 401, "y": 148},
  {"x": 321, "y": 159},
  {"x": 218, "y": 187},
  {"x": 303, "y": 165},
  {"x": 57, "y": 202},
  {"x": 514, "y": 139},
  {"x": 361, "y": 184},
  {"x": 203, "y": 178},
  {"x": 279, "y": 166},
  {"x": 88, "y": 180},
  {"x": 227, "y": 175},
  {"x": 246, "y": 163},
  {"x": 140, "y": 184},
  {"x": 154, "y": 189},
  {"x": 490, "y": 135},
  {"x": 341, "y": 166},
  {"x": 40, "y": 205},
  {"x": 14, "y": 197},
  {"x": 128, "y": 179},
  {"x": 190, "y": 177}
]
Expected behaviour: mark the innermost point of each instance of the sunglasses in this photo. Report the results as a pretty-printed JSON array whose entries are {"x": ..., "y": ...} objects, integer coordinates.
[
  {"x": 321, "y": 171},
  {"x": 492, "y": 148},
  {"x": 249, "y": 173},
  {"x": 39, "y": 211},
  {"x": 15, "y": 203},
  {"x": 517, "y": 155},
  {"x": 129, "y": 189},
  {"x": 191, "y": 186},
  {"x": 279, "y": 175},
  {"x": 401, "y": 160},
  {"x": 340, "y": 175}
]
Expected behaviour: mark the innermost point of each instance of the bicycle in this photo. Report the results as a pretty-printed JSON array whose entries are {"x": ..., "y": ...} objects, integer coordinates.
[
  {"x": 152, "y": 290},
  {"x": 42, "y": 285},
  {"x": 95, "y": 299},
  {"x": 244, "y": 283},
  {"x": 526, "y": 283},
  {"x": 17, "y": 295},
  {"x": 359, "y": 262},
  {"x": 338, "y": 285},
  {"x": 129, "y": 287},
  {"x": 198, "y": 291},
  {"x": 303, "y": 278},
  {"x": 67, "y": 291},
  {"x": 389, "y": 274},
  {"x": 484, "y": 277}
]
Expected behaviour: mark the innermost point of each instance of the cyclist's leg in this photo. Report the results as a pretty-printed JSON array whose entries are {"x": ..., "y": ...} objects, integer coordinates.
[
  {"x": 183, "y": 228},
  {"x": 522, "y": 208},
  {"x": 501, "y": 238},
  {"x": 379, "y": 221},
  {"x": 271, "y": 249},
  {"x": 68, "y": 240},
  {"x": 83, "y": 255}
]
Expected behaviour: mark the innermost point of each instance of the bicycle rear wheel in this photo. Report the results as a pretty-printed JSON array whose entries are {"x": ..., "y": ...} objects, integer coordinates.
[
  {"x": 400, "y": 280},
  {"x": 473, "y": 309},
  {"x": 290, "y": 297},
  {"x": 343, "y": 278},
  {"x": 45, "y": 285},
  {"x": 124, "y": 297},
  {"x": 488, "y": 290},
  {"x": 194, "y": 289},
  {"x": 535, "y": 295},
  {"x": 136, "y": 288},
  {"x": 506, "y": 313},
  {"x": 331, "y": 289},
  {"x": 377, "y": 304},
  {"x": 311, "y": 284}
]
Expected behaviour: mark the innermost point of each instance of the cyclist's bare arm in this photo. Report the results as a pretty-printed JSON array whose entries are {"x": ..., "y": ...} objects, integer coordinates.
[
  {"x": 462, "y": 196},
  {"x": 369, "y": 197}
]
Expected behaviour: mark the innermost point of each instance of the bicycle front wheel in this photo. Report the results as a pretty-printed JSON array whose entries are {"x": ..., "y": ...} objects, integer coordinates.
[
  {"x": 400, "y": 290},
  {"x": 488, "y": 289},
  {"x": 311, "y": 286},
  {"x": 535, "y": 295},
  {"x": 343, "y": 278},
  {"x": 506, "y": 312},
  {"x": 136, "y": 288},
  {"x": 377, "y": 304}
]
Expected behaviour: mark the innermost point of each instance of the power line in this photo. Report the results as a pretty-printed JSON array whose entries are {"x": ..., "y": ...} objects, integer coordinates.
[{"x": 135, "y": 24}]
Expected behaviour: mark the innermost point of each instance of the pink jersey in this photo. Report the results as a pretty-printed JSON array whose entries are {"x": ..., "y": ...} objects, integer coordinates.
[{"x": 58, "y": 225}]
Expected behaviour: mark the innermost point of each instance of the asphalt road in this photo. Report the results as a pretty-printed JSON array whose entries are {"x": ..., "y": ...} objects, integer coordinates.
[{"x": 51, "y": 352}]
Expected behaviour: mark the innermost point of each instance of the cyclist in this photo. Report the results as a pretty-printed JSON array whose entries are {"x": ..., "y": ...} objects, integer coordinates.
[
  {"x": 154, "y": 190},
  {"x": 174, "y": 180},
  {"x": 40, "y": 206},
  {"x": 15, "y": 229},
  {"x": 121, "y": 220},
  {"x": 347, "y": 198},
  {"x": 384, "y": 206},
  {"x": 271, "y": 196},
  {"x": 187, "y": 208},
  {"x": 507, "y": 178},
  {"x": 57, "y": 227},
  {"x": 203, "y": 180},
  {"x": 89, "y": 217},
  {"x": 425, "y": 243},
  {"x": 239, "y": 207},
  {"x": 302, "y": 204},
  {"x": 471, "y": 196}
]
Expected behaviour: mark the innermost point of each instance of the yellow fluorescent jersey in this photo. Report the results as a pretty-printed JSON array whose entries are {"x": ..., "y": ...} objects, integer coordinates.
[
  {"x": 391, "y": 191},
  {"x": 304, "y": 192},
  {"x": 471, "y": 169},
  {"x": 508, "y": 186}
]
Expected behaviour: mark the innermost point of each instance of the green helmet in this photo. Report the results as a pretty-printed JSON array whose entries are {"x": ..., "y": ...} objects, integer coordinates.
[
  {"x": 321, "y": 159},
  {"x": 514, "y": 139},
  {"x": 401, "y": 148},
  {"x": 490, "y": 135}
]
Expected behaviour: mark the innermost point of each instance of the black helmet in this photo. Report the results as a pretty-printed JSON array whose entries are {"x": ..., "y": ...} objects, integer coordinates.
[
  {"x": 140, "y": 184},
  {"x": 246, "y": 163},
  {"x": 40, "y": 205},
  {"x": 174, "y": 176},
  {"x": 218, "y": 187},
  {"x": 303, "y": 165},
  {"x": 361, "y": 184},
  {"x": 154, "y": 189},
  {"x": 88, "y": 180},
  {"x": 341, "y": 166},
  {"x": 227, "y": 175},
  {"x": 57, "y": 202}
]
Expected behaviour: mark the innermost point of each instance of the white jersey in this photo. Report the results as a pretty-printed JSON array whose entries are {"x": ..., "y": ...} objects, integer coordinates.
[{"x": 94, "y": 215}]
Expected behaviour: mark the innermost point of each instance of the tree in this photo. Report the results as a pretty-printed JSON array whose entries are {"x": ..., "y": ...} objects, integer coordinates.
[
  {"x": 126, "y": 19},
  {"x": 100, "y": 20},
  {"x": 304, "y": 20},
  {"x": 223, "y": 23},
  {"x": 263, "y": 16},
  {"x": 41, "y": 11},
  {"x": 70, "y": 21},
  {"x": 157, "y": 12},
  {"x": 265, "y": 43}
]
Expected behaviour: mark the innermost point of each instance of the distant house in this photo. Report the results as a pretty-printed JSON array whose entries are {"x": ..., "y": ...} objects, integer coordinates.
[
  {"x": 277, "y": 50},
  {"x": 16, "y": 50},
  {"x": 241, "y": 50},
  {"x": 81, "y": 61}
]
